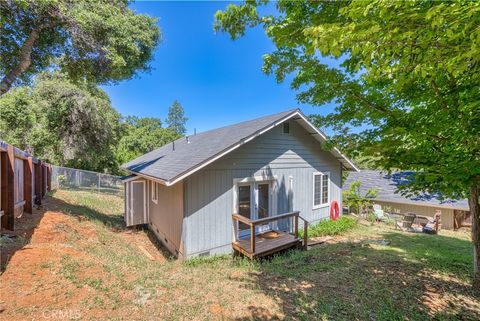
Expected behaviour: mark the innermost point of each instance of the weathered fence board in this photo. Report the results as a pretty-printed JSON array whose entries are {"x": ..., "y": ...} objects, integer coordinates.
[{"x": 21, "y": 177}]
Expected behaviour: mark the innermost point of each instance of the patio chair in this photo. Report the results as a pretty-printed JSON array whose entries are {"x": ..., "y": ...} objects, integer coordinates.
[
  {"x": 432, "y": 226},
  {"x": 407, "y": 220},
  {"x": 380, "y": 215}
]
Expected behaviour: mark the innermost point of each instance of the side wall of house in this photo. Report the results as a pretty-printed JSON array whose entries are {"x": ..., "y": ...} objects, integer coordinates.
[
  {"x": 165, "y": 216},
  {"x": 290, "y": 158},
  {"x": 400, "y": 208}
]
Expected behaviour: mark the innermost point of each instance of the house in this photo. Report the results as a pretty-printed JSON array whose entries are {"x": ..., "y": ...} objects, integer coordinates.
[
  {"x": 454, "y": 213},
  {"x": 188, "y": 191}
]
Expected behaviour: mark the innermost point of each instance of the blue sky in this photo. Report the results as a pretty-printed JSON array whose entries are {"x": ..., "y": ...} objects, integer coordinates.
[{"x": 218, "y": 81}]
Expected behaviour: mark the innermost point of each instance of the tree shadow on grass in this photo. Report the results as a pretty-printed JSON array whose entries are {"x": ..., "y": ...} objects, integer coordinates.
[
  {"x": 360, "y": 281},
  {"x": 114, "y": 222}
]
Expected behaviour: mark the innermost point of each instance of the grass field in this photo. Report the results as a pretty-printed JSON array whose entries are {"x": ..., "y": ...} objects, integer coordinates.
[{"x": 75, "y": 259}]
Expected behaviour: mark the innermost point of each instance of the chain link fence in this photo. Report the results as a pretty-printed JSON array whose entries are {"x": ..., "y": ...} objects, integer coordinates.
[{"x": 71, "y": 178}]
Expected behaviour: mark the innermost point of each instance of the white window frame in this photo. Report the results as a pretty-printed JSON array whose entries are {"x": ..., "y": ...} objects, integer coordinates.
[
  {"x": 321, "y": 205},
  {"x": 253, "y": 182},
  {"x": 154, "y": 188}
]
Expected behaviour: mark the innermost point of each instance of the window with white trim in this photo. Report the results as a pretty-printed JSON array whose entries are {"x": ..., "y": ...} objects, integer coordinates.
[
  {"x": 321, "y": 189},
  {"x": 154, "y": 192}
]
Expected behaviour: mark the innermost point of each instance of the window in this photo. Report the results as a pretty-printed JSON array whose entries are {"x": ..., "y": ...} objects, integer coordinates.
[
  {"x": 286, "y": 128},
  {"x": 320, "y": 189},
  {"x": 154, "y": 192}
]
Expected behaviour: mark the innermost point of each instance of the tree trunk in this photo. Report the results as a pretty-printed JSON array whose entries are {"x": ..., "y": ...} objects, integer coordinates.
[
  {"x": 474, "y": 205},
  {"x": 24, "y": 60}
]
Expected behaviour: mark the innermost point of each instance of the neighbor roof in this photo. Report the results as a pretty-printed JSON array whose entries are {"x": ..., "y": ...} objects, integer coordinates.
[
  {"x": 387, "y": 189},
  {"x": 175, "y": 161}
]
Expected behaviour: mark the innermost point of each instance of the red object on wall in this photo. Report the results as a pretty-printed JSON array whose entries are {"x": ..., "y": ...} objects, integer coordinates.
[{"x": 334, "y": 210}]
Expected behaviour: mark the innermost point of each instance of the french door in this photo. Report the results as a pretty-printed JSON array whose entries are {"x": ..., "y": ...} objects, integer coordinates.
[{"x": 253, "y": 202}]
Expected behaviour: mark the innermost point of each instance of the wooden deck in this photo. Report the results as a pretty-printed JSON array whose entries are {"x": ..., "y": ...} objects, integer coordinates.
[
  {"x": 267, "y": 243},
  {"x": 263, "y": 244}
]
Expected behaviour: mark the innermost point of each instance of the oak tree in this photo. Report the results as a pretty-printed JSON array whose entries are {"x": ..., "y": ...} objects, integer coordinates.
[
  {"x": 405, "y": 74},
  {"x": 100, "y": 41}
]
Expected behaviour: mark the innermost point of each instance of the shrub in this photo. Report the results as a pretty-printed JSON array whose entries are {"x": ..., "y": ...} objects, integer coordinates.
[{"x": 330, "y": 227}]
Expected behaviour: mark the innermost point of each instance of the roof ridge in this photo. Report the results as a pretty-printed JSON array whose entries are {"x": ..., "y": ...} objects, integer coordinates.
[{"x": 286, "y": 112}]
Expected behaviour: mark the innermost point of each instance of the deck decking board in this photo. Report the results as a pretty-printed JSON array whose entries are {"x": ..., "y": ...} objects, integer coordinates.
[{"x": 265, "y": 245}]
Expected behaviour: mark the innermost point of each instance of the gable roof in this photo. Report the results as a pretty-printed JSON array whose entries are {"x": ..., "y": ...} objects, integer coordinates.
[
  {"x": 177, "y": 160},
  {"x": 387, "y": 189}
]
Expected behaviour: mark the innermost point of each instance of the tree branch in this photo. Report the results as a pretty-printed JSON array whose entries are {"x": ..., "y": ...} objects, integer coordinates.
[{"x": 24, "y": 60}]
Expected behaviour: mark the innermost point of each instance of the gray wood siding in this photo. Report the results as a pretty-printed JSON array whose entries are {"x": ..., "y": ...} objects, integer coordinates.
[{"x": 209, "y": 192}]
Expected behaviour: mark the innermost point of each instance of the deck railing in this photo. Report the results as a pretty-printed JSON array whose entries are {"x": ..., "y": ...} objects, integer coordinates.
[{"x": 295, "y": 216}]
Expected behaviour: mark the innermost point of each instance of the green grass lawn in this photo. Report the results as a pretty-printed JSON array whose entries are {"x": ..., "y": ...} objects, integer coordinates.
[{"x": 107, "y": 275}]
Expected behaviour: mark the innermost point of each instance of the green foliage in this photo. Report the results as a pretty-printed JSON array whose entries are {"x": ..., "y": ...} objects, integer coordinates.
[
  {"x": 408, "y": 73},
  {"x": 331, "y": 227},
  {"x": 98, "y": 40},
  {"x": 353, "y": 198},
  {"x": 64, "y": 123},
  {"x": 142, "y": 135},
  {"x": 176, "y": 118},
  {"x": 74, "y": 125},
  {"x": 16, "y": 116}
]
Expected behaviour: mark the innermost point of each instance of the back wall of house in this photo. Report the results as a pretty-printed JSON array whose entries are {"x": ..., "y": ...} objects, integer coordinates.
[{"x": 208, "y": 194}]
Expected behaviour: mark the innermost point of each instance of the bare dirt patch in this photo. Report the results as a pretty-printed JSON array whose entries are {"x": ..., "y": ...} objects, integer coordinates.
[
  {"x": 46, "y": 266},
  {"x": 76, "y": 257}
]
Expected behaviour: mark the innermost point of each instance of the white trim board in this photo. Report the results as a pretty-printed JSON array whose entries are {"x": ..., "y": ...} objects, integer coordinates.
[{"x": 327, "y": 204}]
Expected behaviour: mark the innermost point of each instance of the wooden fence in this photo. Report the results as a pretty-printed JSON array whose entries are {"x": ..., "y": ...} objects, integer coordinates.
[{"x": 24, "y": 182}]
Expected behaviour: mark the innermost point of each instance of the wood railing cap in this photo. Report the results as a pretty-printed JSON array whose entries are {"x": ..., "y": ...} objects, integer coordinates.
[{"x": 248, "y": 221}]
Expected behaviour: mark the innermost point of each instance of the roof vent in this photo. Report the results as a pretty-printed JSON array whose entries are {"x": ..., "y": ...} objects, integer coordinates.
[
  {"x": 173, "y": 145},
  {"x": 188, "y": 140}
]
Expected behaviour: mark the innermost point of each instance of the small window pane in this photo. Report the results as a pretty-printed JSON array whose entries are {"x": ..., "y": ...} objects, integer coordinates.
[
  {"x": 324, "y": 189},
  {"x": 317, "y": 189}
]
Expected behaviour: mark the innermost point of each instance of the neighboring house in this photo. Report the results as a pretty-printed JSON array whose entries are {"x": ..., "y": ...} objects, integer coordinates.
[
  {"x": 454, "y": 213},
  {"x": 187, "y": 191}
]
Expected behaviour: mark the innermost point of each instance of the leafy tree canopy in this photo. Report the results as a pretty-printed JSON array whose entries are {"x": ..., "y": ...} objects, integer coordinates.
[
  {"x": 176, "y": 119},
  {"x": 407, "y": 73},
  {"x": 142, "y": 135},
  {"x": 64, "y": 123},
  {"x": 97, "y": 40}
]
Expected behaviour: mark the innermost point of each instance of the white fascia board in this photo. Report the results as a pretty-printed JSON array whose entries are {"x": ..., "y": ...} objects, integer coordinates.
[{"x": 324, "y": 137}]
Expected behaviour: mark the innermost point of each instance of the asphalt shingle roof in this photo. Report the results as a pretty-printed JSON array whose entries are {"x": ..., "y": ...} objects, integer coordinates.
[
  {"x": 387, "y": 189},
  {"x": 168, "y": 163}
]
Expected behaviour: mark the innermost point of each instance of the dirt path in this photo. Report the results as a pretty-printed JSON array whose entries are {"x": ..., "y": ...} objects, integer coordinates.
[{"x": 31, "y": 280}]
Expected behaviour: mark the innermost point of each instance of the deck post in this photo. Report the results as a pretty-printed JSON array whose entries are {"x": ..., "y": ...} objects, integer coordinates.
[
  {"x": 27, "y": 184},
  {"x": 305, "y": 235},
  {"x": 296, "y": 225},
  {"x": 252, "y": 238}
]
